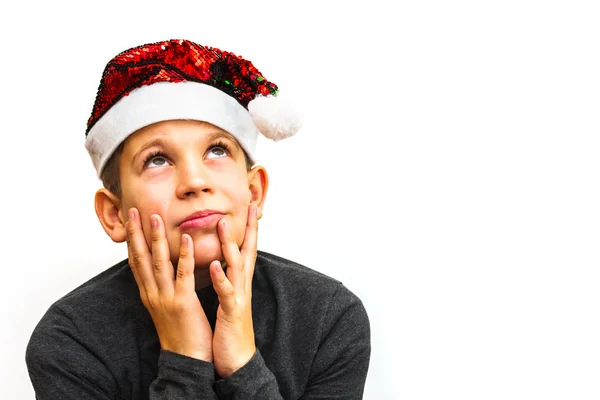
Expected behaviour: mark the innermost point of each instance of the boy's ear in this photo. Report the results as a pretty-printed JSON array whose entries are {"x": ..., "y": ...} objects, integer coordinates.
[
  {"x": 258, "y": 182},
  {"x": 108, "y": 210}
]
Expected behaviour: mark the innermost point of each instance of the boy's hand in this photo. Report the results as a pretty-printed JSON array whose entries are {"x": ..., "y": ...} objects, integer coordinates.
[
  {"x": 233, "y": 342},
  {"x": 170, "y": 298}
]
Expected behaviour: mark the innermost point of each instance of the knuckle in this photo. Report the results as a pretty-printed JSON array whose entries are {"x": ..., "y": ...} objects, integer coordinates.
[
  {"x": 156, "y": 265},
  {"x": 183, "y": 252},
  {"x": 135, "y": 259},
  {"x": 129, "y": 228},
  {"x": 182, "y": 273},
  {"x": 155, "y": 235}
]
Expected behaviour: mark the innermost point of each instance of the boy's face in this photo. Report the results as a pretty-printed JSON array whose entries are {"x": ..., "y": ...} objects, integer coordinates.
[{"x": 178, "y": 168}]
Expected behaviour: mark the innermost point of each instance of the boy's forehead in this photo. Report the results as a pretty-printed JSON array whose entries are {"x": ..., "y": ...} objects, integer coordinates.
[{"x": 176, "y": 131}]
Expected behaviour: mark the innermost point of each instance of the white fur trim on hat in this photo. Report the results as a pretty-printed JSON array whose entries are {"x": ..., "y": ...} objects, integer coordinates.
[{"x": 163, "y": 101}]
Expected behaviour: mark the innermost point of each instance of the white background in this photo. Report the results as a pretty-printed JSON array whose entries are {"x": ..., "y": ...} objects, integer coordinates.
[{"x": 447, "y": 173}]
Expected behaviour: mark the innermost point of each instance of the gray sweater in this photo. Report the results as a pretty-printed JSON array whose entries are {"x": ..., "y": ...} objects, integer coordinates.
[{"x": 98, "y": 342}]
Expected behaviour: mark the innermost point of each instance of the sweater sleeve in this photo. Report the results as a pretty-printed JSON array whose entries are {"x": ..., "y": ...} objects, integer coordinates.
[
  {"x": 60, "y": 365},
  {"x": 340, "y": 366},
  {"x": 183, "y": 378},
  {"x": 253, "y": 381}
]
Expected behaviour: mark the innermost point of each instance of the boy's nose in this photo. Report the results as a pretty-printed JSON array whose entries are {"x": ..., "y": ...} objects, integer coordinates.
[{"x": 193, "y": 179}]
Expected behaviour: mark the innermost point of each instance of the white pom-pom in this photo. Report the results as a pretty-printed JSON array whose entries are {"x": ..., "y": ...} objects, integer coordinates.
[{"x": 273, "y": 117}]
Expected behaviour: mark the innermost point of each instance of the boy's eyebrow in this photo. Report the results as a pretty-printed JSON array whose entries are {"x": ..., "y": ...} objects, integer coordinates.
[
  {"x": 221, "y": 135},
  {"x": 224, "y": 135},
  {"x": 152, "y": 143}
]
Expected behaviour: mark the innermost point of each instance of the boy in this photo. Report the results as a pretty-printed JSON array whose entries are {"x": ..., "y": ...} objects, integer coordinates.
[{"x": 195, "y": 312}]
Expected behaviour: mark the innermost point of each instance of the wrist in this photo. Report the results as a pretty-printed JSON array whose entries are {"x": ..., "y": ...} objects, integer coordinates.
[
  {"x": 226, "y": 370},
  {"x": 192, "y": 353}
]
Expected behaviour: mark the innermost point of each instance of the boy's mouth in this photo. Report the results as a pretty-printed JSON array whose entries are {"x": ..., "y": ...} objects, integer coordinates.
[{"x": 201, "y": 219}]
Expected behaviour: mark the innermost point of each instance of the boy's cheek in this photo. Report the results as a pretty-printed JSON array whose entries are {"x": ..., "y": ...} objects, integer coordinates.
[{"x": 240, "y": 231}]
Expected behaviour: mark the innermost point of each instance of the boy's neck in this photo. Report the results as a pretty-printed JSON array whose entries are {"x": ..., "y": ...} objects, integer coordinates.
[{"x": 202, "y": 276}]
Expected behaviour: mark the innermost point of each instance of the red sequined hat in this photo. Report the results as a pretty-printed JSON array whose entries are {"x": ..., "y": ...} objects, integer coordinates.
[{"x": 180, "y": 79}]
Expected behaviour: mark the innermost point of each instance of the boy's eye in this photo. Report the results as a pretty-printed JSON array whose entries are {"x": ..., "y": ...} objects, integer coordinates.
[
  {"x": 217, "y": 152},
  {"x": 156, "y": 161}
]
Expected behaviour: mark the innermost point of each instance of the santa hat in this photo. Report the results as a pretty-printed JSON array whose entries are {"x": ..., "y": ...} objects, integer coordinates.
[{"x": 180, "y": 79}]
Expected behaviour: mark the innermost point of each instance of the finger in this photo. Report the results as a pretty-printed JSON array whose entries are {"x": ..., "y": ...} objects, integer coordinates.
[
  {"x": 128, "y": 241},
  {"x": 140, "y": 259},
  {"x": 249, "y": 247},
  {"x": 185, "y": 280},
  {"x": 136, "y": 276},
  {"x": 231, "y": 253},
  {"x": 223, "y": 288},
  {"x": 161, "y": 261}
]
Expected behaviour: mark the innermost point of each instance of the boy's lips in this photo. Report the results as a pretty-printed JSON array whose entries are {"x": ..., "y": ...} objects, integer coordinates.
[{"x": 201, "y": 219}]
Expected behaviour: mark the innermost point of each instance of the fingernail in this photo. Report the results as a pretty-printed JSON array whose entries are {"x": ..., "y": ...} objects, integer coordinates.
[
  {"x": 184, "y": 240},
  {"x": 217, "y": 266},
  {"x": 253, "y": 211},
  {"x": 131, "y": 215},
  {"x": 225, "y": 224},
  {"x": 153, "y": 221}
]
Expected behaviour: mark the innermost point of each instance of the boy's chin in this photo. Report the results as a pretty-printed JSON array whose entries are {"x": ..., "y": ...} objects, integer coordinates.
[
  {"x": 204, "y": 260},
  {"x": 206, "y": 251}
]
